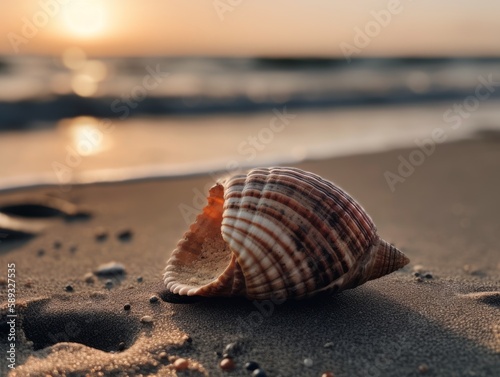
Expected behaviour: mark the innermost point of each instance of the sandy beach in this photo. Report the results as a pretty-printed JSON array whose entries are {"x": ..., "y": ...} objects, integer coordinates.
[{"x": 72, "y": 322}]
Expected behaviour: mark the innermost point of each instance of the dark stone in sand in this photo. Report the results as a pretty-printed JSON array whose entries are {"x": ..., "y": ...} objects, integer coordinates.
[
  {"x": 251, "y": 366},
  {"x": 111, "y": 269},
  {"x": 101, "y": 234},
  {"x": 259, "y": 373},
  {"x": 153, "y": 299},
  {"x": 125, "y": 235}
]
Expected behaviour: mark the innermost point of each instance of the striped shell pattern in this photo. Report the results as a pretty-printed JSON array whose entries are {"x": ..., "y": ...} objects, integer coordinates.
[{"x": 278, "y": 233}]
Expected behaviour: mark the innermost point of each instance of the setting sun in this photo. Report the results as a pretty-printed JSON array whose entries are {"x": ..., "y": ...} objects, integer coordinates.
[
  {"x": 324, "y": 28},
  {"x": 85, "y": 18}
]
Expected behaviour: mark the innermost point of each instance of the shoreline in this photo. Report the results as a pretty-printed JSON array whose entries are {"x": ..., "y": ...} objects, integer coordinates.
[{"x": 84, "y": 150}]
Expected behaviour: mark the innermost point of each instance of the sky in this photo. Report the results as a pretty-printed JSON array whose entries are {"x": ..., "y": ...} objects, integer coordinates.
[{"x": 251, "y": 27}]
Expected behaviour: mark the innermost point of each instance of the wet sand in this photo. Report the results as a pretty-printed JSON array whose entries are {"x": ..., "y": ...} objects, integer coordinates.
[{"x": 447, "y": 323}]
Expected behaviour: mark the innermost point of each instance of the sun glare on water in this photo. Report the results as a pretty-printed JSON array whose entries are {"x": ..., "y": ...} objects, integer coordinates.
[{"x": 85, "y": 18}]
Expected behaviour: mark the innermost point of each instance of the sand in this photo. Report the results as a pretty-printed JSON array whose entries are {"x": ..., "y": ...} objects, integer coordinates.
[{"x": 444, "y": 217}]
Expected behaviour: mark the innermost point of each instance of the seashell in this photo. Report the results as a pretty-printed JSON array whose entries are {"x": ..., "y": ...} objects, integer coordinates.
[{"x": 278, "y": 233}]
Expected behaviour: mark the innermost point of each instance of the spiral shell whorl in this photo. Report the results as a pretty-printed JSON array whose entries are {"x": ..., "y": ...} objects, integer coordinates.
[
  {"x": 278, "y": 232},
  {"x": 295, "y": 215}
]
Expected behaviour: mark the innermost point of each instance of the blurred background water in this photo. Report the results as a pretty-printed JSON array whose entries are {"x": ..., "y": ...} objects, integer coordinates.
[{"x": 78, "y": 106}]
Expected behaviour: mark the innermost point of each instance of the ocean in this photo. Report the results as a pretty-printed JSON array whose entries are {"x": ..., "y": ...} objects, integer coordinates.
[{"x": 79, "y": 120}]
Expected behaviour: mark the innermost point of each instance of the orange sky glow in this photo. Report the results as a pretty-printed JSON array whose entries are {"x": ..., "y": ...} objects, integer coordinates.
[{"x": 251, "y": 27}]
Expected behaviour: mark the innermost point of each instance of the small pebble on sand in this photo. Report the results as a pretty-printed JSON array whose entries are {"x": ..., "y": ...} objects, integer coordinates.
[
  {"x": 163, "y": 355},
  {"x": 428, "y": 276},
  {"x": 423, "y": 368},
  {"x": 153, "y": 299},
  {"x": 109, "y": 283},
  {"x": 140, "y": 279},
  {"x": 232, "y": 349},
  {"x": 57, "y": 244},
  {"x": 418, "y": 268},
  {"x": 126, "y": 307},
  {"x": 308, "y": 362},
  {"x": 125, "y": 235},
  {"x": 328, "y": 345},
  {"x": 68, "y": 288},
  {"x": 227, "y": 364},
  {"x": 181, "y": 364},
  {"x": 101, "y": 234},
  {"x": 328, "y": 374},
  {"x": 89, "y": 278},
  {"x": 259, "y": 373},
  {"x": 251, "y": 366},
  {"x": 121, "y": 346},
  {"x": 147, "y": 319},
  {"x": 110, "y": 269}
]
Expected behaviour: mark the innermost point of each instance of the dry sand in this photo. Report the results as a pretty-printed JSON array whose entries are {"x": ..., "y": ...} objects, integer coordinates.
[{"x": 444, "y": 217}]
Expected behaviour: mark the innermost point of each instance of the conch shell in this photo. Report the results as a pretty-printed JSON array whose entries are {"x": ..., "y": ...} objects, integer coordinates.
[{"x": 278, "y": 233}]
